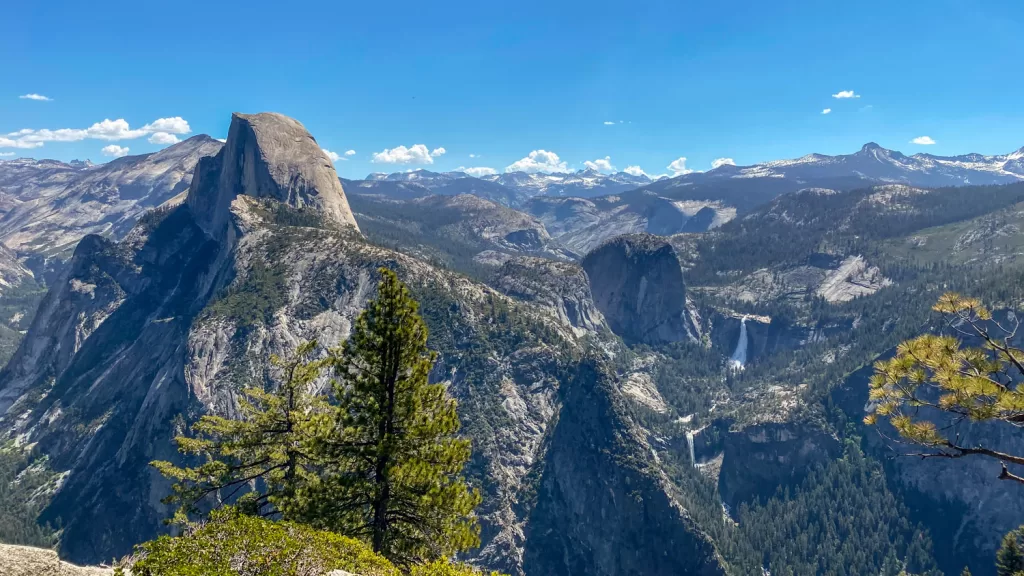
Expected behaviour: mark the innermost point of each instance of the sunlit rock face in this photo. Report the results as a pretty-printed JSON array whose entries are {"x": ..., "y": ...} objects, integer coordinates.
[{"x": 272, "y": 156}]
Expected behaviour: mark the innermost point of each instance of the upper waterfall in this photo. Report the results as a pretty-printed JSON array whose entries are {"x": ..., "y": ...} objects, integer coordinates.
[{"x": 739, "y": 356}]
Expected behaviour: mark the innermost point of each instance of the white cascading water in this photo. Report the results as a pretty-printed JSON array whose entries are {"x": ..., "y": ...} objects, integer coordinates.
[
  {"x": 739, "y": 357},
  {"x": 689, "y": 442}
]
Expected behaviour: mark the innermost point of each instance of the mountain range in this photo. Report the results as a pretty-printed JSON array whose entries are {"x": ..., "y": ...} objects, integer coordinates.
[
  {"x": 662, "y": 378},
  {"x": 871, "y": 163}
]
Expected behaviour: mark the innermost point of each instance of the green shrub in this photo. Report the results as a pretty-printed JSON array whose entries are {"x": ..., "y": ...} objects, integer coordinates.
[{"x": 232, "y": 544}]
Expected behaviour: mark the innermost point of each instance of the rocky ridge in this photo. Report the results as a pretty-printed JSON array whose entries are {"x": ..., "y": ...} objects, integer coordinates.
[{"x": 52, "y": 205}]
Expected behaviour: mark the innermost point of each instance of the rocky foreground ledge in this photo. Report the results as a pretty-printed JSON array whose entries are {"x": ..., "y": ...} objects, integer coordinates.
[{"x": 28, "y": 561}]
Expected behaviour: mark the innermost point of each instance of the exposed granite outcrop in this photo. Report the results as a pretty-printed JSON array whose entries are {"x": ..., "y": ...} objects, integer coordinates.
[
  {"x": 267, "y": 155},
  {"x": 561, "y": 287},
  {"x": 637, "y": 284},
  {"x": 760, "y": 458}
]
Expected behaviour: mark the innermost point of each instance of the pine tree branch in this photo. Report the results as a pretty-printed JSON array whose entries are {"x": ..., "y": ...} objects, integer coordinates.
[{"x": 1007, "y": 475}]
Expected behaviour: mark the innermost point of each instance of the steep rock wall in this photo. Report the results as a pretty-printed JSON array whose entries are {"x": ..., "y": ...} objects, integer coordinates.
[
  {"x": 637, "y": 284},
  {"x": 602, "y": 507}
]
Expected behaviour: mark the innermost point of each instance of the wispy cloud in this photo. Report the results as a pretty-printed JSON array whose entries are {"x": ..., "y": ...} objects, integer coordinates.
[
  {"x": 350, "y": 152},
  {"x": 846, "y": 94},
  {"x": 115, "y": 151},
  {"x": 600, "y": 165},
  {"x": 538, "y": 161},
  {"x": 923, "y": 141},
  {"x": 415, "y": 154},
  {"x": 2, "y": 154},
  {"x": 638, "y": 171},
  {"x": 678, "y": 166},
  {"x": 38, "y": 97},
  {"x": 826, "y": 111},
  {"x": 477, "y": 171},
  {"x": 333, "y": 156},
  {"x": 110, "y": 130},
  {"x": 722, "y": 162}
]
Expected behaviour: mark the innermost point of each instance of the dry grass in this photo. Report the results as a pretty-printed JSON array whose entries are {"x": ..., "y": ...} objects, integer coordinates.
[{"x": 27, "y": 561}]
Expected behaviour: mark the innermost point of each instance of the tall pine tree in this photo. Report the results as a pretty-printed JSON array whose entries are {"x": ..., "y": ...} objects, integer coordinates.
[{"x": 394, "y": 460}]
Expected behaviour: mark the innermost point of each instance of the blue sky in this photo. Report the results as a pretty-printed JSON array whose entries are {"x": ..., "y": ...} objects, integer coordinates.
[{"x": 746, "y": 80}]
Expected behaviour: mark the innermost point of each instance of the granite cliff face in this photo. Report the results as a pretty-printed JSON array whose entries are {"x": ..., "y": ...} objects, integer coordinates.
[
  {"x": 267, "y": 156},
  {"x": 561, "y": 287},
  {"x": 637, "y": 284},
  {"x": 603, "y": 506},
  {"x": 761, "y": 457}
]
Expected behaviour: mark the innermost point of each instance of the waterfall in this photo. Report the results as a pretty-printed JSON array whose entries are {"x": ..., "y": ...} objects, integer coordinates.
[
  {"x": 739, "y": 357},
  {"x": 689, "y": 442}
]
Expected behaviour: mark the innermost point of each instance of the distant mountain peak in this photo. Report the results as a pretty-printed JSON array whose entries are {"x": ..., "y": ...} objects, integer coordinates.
[{"x": 871, "y": 147}]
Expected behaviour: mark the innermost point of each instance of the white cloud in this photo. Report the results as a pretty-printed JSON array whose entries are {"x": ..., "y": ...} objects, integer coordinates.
[
  {"x": 416, "y": 154},
  {"x": 923, "y": 140},
  {"x": 609, "y": 123},
  {"x": 115, "y": 151},
  {"x": 221, "y": 139},
  {"x": 350, "y": 152},
  {"x": 477, "y": 171},
  {"x": 176, "y": 125},
  {"x": 846, "y": 94},
  {"x": 438, "y": 152},
  {"x": 473, "y": 155},
  {"x": 722, "y": 162},
  {"x": 826, "y": 111},
  {"x": 678, "y": 166},
  {"x": 110, "y": 130},
  {"x": 601, "y": 164},
  {"x": 39, "y": 97},
  {"x": 6, "y": 154},
  {"x": 11, "y": 143},
  {"x": 163, "y": 138},
  {"x": 538, "y": 161},
  {"x": 334, "y": 156}
]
